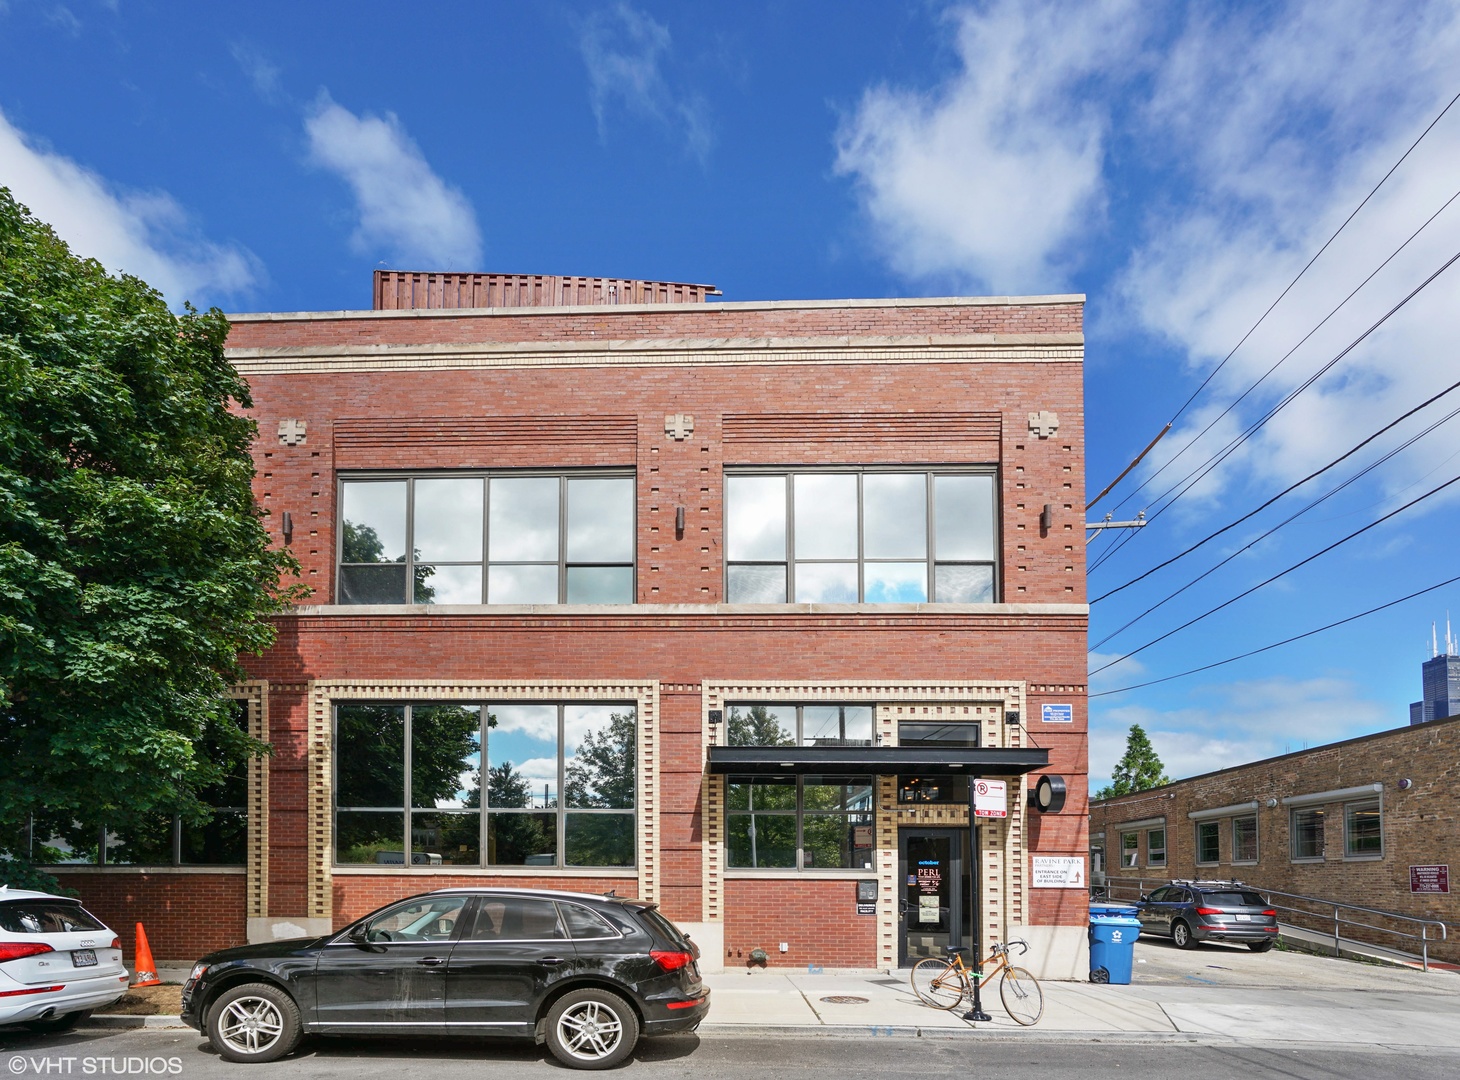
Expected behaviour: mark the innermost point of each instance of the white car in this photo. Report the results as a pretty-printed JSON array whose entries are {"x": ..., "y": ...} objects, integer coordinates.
[{"x": 58, "y": 961}]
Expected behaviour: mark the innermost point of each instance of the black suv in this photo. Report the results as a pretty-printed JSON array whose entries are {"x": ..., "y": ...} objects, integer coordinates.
[
  {"x": 585, "y": 974},
  {"x": 1192, "y": 911}
]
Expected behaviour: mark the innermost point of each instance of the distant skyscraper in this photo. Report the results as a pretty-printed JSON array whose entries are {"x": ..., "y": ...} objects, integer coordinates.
[{"x": 1441, "y": 680}]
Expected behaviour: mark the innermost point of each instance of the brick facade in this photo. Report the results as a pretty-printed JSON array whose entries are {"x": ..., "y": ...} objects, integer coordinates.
[
  {"x": 1414, "y": 775},
  {"x": 920, "y": 383}
]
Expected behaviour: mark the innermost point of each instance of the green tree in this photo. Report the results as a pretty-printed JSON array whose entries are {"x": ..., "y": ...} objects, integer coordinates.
[
  {"x": 134, "y": 564},
  {"x": 1140, "y": 768}
]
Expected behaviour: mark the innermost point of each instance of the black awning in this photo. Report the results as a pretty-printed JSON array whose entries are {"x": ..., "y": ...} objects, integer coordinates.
[{"x": 883, "y": 760}]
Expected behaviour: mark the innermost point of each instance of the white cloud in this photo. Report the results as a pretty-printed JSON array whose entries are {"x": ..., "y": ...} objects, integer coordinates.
[
  {"x": 147, "y": 234},
  {"x": 405, "y": 211},
  {"x": 1271, "y": 150},
  {"x": 1239, "y": 723},
  {"x": 262, "y": 72},
  {"x": 992, "y": 178},
  {"x": 623, "y": 50}
]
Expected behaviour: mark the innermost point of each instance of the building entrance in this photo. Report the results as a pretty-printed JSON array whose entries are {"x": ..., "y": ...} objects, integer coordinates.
[{"x": 934, "y": 908}]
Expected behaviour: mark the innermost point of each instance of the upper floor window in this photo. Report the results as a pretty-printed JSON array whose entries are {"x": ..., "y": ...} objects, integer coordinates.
[
  {"x": 861, "y": 536},
  {"x": 766, "y": 724},
  {"x": 487, "y": 538}
]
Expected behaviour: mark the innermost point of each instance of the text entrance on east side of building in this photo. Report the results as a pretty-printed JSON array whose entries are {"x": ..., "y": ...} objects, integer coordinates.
[{"x": 615, "y": 587}]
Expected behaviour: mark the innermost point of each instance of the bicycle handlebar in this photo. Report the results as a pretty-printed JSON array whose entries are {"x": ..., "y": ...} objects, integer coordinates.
[{"x": 1007, "y": 945}]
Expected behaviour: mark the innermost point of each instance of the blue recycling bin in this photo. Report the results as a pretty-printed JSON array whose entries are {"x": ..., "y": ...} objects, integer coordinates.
[
  {"x": 1111, "y": 907},
  {"x": 1113, "y": 947}
]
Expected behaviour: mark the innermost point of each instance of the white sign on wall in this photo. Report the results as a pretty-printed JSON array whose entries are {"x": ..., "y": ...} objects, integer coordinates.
[
  {"x": 1057, "y": 872},
  {"x": 990, "y": 798}
]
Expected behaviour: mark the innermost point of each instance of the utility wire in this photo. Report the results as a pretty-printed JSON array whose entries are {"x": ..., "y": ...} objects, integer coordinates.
[
  {"x": 1253, "y": 543},
  {"x": 1306, "y": 267},
  {"x": 1288, "y": 490},
  {"x": 1280, "y": 574},
  {"x": 1276, "y": 644}
]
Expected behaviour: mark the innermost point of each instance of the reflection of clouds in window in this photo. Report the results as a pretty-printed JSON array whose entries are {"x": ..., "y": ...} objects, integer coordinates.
[
  {"x": 600, "y": 520},
  {"x": 895, "y": 515},
  {"x": 826, "y": 583},
  {"x": 522, "y": 585},
  {"x": 534, "y": 721},
  {"x": 448, "y": 519},
  {"x": 896, "y": 583},
  {"x": 380, "y": 507},
  {"x": 541, "y": 774},
  {"x": 964, "y": 509},
  {"x": 579, "y": 720},
  {"x": 826, "y": 517},
  {"x": 455, "y": 584},
  {"x": 755, "y": 517},
  {"x": 523, "y": 519}
]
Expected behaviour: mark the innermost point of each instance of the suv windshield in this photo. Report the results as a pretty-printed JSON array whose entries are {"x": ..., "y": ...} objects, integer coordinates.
[{"x": 45, "y": 917}]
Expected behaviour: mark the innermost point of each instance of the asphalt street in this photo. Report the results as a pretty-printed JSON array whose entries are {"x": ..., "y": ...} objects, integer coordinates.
[{"x": 187, "y": 1055}]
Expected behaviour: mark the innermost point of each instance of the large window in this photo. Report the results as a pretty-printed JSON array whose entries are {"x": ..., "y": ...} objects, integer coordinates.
[
  {"x": 799, "y": 823},
  {"x": 1129, "y": 849},
  {"x": 487, "y": 538},
  {"x": 1307, "y": 833},
  {"x": 1155, "y": 847},
  {"x": 849, "y": 536},
  {"x": 1208, "y": 842},
  {"x": 489, "y": 784},
  {"x": 1363, "y": 834},
  {"x": 769, "y": 724}
]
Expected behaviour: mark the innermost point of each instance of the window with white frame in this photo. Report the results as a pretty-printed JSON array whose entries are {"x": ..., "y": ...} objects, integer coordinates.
[
  {"x": 1244, "y": 839},
  {"x": 1208, "y": 842},
  {"x": 843, "y": 536},
  {"x": 1156, "y": 847},
  {"x": 487, "y": 538},
  {"x": 1363, "y": 833},
  {"x": 1130, "y": 853},
  {"x": 1306, "y": 829}
]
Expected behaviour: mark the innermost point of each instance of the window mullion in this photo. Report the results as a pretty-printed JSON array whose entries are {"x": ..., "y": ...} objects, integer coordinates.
[
  {"x": 407, "y": 797},
  {"x": 790, "y": 483},
  {"x": 861, "y": 542},
  {"x": 930, "y": 547},
  {"x": 562, "y": 823},
  {"x": 562, "y": 553}
]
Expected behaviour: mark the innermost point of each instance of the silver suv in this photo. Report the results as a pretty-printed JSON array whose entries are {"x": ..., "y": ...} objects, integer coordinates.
[{"x": 1192, "y": 911}]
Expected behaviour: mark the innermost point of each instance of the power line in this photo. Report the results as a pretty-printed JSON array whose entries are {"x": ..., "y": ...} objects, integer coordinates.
[
  {"x": 1288, "y": 490},
  {"x": 1275, "y": 644},
  {"x": 1263, "y": 317},
  {"x": 1281, "y": 573},
  {"x": 1316, "y": 502}
]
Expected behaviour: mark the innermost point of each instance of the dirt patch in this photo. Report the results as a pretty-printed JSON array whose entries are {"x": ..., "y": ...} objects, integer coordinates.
[{"x": 164, "y": 1000}]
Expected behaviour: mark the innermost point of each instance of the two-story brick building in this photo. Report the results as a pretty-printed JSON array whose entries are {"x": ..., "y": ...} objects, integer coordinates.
[{"x": 718, "y": 604}]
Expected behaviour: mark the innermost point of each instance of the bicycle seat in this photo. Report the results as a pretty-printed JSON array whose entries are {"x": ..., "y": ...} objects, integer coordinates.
[{"x": 958, "y": 950}]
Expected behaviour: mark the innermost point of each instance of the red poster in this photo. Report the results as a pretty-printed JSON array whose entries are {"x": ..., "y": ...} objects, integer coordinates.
[{"x": 1429, "y": 879}]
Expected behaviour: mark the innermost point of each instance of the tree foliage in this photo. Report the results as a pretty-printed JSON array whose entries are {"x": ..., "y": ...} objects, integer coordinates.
[
  {"x": 1140, "y": 767},
  {"x": 134, "y": 564}
]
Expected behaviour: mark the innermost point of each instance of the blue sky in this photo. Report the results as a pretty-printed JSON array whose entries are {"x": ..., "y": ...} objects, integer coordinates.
[{"x": 1178, "y": 163}]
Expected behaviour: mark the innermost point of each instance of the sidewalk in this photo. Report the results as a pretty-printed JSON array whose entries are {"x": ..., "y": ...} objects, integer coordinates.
[{"x": 1212, "y": 994}]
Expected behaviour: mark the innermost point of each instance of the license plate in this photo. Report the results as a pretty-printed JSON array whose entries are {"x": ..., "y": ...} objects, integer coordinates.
[
  {"x": 83, "y": 958},
  {"x": 1244, "y": 918}
]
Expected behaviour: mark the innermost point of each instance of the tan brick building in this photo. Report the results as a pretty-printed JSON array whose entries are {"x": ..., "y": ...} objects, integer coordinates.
[
  {"x": 718, "y": 604},
  {"x": 1366, "y": 821}
]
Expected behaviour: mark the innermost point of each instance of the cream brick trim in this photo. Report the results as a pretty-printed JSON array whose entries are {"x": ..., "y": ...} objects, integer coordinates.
[
  {"x": 982, "y": 701},
  {"x": 324, "y": 695},
  {"x": 255, "y": 695},
  {"x": 679, "y": 352}
]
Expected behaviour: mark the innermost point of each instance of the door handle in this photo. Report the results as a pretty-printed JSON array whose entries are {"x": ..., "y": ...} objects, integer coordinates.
[
  {"x": 552, "y": 961},
  {"x": 431, "y": 961}
]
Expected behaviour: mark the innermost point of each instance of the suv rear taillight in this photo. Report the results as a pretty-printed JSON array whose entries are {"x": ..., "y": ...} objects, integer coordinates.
[
  {"x": 1272, "y": 912},
  {"x": 116, "y": 943},
  {"x": 1208, "y": 911},
  {"x": 15, "y": 950},
  {"x": 670, "y": 961}
]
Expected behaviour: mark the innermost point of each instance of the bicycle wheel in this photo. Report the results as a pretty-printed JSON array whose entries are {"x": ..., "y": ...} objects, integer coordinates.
[
  {"x": 1023, "y": 999},
  {"x": 937, "y": 983}
]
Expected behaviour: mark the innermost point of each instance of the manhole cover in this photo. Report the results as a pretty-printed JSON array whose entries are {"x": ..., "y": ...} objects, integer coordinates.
[{"x": 844, "y": 999}]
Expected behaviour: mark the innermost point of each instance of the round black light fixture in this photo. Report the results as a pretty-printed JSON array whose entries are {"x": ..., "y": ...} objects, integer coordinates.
[{"x": 1048, "y": 794}]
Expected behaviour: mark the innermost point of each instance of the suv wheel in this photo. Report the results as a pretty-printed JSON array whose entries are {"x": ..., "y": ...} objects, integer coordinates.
[
  {"x": 591, "y": 1029},
  {"x": 1181, "y": 935},
  {"x": 1260, "y": 946},
  {"x": 253, "y": 1022}
]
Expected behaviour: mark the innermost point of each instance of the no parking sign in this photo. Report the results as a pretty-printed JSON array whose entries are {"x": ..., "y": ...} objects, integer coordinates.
[{"x": 990, "y": 798}]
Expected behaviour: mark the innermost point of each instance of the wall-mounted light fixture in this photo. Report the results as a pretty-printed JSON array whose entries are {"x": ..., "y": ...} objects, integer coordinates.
[
  {"x": 1046, "y": 519},
  {"x": 1048, "y": 794},
  {"x": 1011, "y": 717},
  {"x": 1271, "y": 803},
  {"x": 679, "y": 523},
  {"x": 1406, "y": 784},
  {"x": 717, "y": 716},
  {"x": 286, "y": 526}
]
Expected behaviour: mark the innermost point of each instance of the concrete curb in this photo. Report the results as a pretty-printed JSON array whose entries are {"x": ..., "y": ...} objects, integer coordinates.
[
  {"x": 899, "y": 1031},
  {"x": 122, "y": 1020}
]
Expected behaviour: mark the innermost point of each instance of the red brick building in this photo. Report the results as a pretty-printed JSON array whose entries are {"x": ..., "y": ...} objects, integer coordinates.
[{"x": 718, "y": 604}]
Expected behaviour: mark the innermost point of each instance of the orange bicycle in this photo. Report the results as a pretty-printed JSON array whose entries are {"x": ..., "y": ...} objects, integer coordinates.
[{"x": 943, "y": 984}]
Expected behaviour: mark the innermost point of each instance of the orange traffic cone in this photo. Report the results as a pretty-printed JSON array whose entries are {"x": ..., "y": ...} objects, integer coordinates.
[{"x": 146, "y": 966}]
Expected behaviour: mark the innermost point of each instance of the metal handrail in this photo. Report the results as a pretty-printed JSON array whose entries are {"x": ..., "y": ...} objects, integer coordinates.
[{"x": 1338, "y": 920}]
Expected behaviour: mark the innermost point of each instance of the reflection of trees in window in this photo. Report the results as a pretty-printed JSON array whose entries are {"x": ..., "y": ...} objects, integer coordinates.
[
  {"x": 808, "y": 823},
  {"x": 756, "y": 725},
  {"x": 602, "y": 775}
]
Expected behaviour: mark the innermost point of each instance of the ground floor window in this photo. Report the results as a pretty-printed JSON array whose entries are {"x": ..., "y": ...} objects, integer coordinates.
[
  {"x": 488, "y": 784},
  {"x": 1307, "y": 833},
  {"x": 1363, "y": 834},
  {"x": 1208, "y": 842},
  {"x": 1156, "y": 847},
  {"x": 1244, "y": 839},
  {"x": 799, "y": 823},
  {"x": 1130, "y": 852}
]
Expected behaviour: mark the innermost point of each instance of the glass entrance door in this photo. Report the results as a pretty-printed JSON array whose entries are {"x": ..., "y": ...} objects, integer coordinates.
[{"x": 934, "y": 909}]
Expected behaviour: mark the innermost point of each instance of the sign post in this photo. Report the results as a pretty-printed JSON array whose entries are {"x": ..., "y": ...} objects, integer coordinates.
[{"x": 986, "y": 799}]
